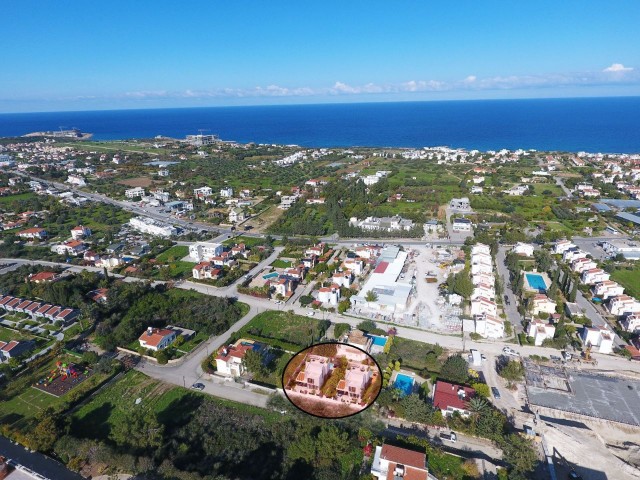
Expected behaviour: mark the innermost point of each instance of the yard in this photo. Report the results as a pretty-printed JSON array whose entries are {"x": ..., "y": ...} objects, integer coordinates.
[
  {"x": 250, "y": 242},
  {"x": 7, "y": 200},
  {"x": 629, "y": 279},
  {"x": 175, "y": 253},
  {"x": 278, "y": 263},
  {"x": 412, "y": 354},
  {"x": 284, "y": 329}
]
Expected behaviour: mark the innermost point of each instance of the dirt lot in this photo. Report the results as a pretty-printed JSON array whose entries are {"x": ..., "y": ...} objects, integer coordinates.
[
  {"x": 137, "y": 182},
  {"x": 260, "y": 223}
]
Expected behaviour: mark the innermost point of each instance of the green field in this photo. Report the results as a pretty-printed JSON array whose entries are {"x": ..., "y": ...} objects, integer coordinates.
[
  {"x": 412, "y": 354},
  {"x": 281, "y": 264},
  {"x": 284, "y": 329},
  {"x": 16, "y": 198},
  {"x": 250, "y": 242},
  {"x": 629, "y": 279},
  {"x": 173, "y": 254},
  {"x": 7, "y": 335}
]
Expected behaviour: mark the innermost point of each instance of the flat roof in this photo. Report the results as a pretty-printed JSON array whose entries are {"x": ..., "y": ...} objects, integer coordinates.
[
  {"x": 599, "y": 396},
  {"x": 629, "y": 217}
]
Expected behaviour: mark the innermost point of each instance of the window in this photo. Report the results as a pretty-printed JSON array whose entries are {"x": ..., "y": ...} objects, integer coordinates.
[
  {"x": 310, "y": 380},
  {"x": 352, "y": 389}
]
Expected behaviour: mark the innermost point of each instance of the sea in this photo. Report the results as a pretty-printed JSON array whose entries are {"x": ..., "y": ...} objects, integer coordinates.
[{"x": 610, "y": 125}]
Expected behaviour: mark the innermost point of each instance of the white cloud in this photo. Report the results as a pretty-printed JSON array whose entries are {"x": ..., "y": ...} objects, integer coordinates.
[
  {"x": 617, "y": 68},
  {"x": 470, "y": 79}
]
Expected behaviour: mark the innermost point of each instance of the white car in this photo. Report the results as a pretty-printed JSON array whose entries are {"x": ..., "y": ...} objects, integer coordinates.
[{"x": 311, "y": 314}]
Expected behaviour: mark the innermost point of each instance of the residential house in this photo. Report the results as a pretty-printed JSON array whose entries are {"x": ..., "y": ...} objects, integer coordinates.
[
  {"x": 134, "y": 192},
  {"x": 329, "y": 294},
  {"x": 481, "y": 248},
  {"x": 317, "y": 250},
  {"x": 204, "y": 251},
  {"x": 73, "y": 247},
  {"x": 99, "y": 296},
  {"x": 524, "y": 249},
  {"x": 461, "y": 204},
  {"x": 225, "y": 259},
  {"x": 33, "y": 233},
  {"x": 354, "y": 264},
  {"x": 14, "y": 349},
  {"x": 80, "y": 232},
  {"x": 542, "y": 303},
  {"x": 236, "y": 215},
  {"x": 229, "y": 358},
  {"x": 579, "y": 265},
  {"x": 343, "y": 279},
  {"x": 461, "y": 225},
  {"x": 483, "y": 278},
  {"x": 284, "y": 286},
  {"x": 540, "y": 330},
  {"x": 355, "y": 382},
  {"x": 202, "y": 192},
  {"x": 623, "y": 305},
  {"x": 631, "y": 323},
  {"x": 482, "y": 305},
  {"x": 316, "y": 371},
  {"x": 594, "y": 275},
  {"x": 450, "y": 398},
  {"x": 157, "y": 338},
  {"x": 393, "y": 463},
  {"x": 42, "y": 277},
  {"x": 607, "y": 289},
  {"x": 226, "y": 192},
  {"x": 599, "y": 337},
  {"x": 562, "y": 245},
  {"x": 240, "y": 249},
  {"x": 204, "y": 270},
  {"x": 481, "y": 268},
  {"x": 483, "y": 290}
]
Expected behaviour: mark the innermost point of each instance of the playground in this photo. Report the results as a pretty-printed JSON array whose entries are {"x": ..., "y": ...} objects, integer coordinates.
[{"x": 63, "y": 378}]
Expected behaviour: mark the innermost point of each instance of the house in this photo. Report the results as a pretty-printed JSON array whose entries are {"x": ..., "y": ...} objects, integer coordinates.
[
  {"x": 287, "y": 201},
  {"x": 623, "y": 305},
  {"x": 482, "y": 305},
  {"x": 450, "y": 398},
  {"x": 481, "y": 268},
  {"x": 329, "y": 294},
  {"x": 540, "y": 331},
  {"x": 73, "y": 247},
  {"x": 205, "y": 270},
  {"x": 571, "y": 254},
  {"x": 607, "y": 289},
  {"x": 483, "y": 278},
  {"x": 66, "y": 315},
  {"x": 14, "y": 349},
  {"x": 316, "y": 371},
  {"x": 524, "y": 249},
  {"x": 354, "y": 264},
  {"x": 594, "y": 275},
  {"x": 204, "y": 251},
  {"x": 481, "y": 248},
  {"x": 42, "y": 277},
  {"x": 579, "y": 265},
  {"x": 542, "y": 303},
  {"x": 157, "y": 338},
  {"x": 80, "y": 232},
  {"x": 343, "y": 279},
  {"x": 600, "y": 337},
  {"x": 99, "y": 295},
  {"x": 236, "y": 215},
  {"x": 134, "y": 192},
  {"x": 240, "y": 249},
  {"x": 355, "y": 381},
  {"x": 33, "y": 233},
  {"x": 631, "y": 323},
  {"x": 225, "y": 259},
  {"x": 562, "y": 245},
  {"x": 284, "y": 286},
  {"x": 461, "y": 204},
  {"x": 358, "y": 339},
  {"x": 367, "y": 252},
  {"x": 573, "y": 310},
  {"x": 229, "y": 358},
  {"x": 461, "y": 225},
  {"x": 202, "y": 192},
  {"x": 391, "y": 463},
  {"x": 226, "y": 192},
  {"x": 295, "y": 273},
  {"x": 483, "y": 290},
  {"x": 317, "y": 250},
  {"x": 432, "y": 226}
]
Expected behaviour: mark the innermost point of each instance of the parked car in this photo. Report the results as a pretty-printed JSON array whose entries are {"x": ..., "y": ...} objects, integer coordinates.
[
  {"x": 451, "y": 437},
  {"x": 198, "y": 386},
  {"x": 496, "y": 393},
  {"x": 311, "y": 314}
]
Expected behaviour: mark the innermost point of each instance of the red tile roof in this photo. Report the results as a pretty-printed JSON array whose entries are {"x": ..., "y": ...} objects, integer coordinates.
[
  {"x": 446, "y": 395},
  {"x": 42, "y": 276},
  {"x": 233, "y": 351},
  {"x": 157, "y": 334},
  {"x": 403, "y": 456}
]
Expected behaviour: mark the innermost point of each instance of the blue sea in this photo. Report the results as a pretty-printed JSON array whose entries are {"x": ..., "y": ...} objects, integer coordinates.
[{"x": 577, "y": 124}]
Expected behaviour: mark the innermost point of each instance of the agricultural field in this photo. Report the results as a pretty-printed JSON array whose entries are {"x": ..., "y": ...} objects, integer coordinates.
[
  {"x": 286, "y": 330},
  {"x": 6, "y": 201}
]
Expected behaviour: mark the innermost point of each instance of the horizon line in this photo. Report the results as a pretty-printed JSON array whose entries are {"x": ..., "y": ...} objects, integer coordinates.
[{"x": 435, "y": 100}]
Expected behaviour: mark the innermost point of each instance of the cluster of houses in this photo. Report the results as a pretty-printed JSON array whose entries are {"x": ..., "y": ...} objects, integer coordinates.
[
  {"x": 212, "y": 258},
  {"x": 383, "y": 224},
  {"x": 484, "y": 310},
  {"x": 609, "y": 292},
  {"x": 35, "y": 309},
  {"x": 14, "y": 349}
]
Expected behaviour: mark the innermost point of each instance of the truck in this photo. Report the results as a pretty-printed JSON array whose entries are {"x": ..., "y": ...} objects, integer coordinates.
[
  {"x": 450, "y": 437},
  {"x": 475, "y": 358}
]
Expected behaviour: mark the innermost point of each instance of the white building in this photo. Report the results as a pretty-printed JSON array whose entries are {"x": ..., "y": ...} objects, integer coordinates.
[
  {"x": 461, "y": 204},
  {"x": 236, "y": 215},
  {"x": 562, "y": 245},
  {"x": 391, "y": 462},
  {"x": 134, "y": 192},
  {"x": 80, "y": 232},
  {"x": 204, "y": 251},
  {"x": 608, "y": 289},
  {"x": 226, "y": 192},
  {"x": 623, "y": 305},
  {"x": 286, "y": 201},
  {"x": 572, "y": 254},
  {"x": 385, "y": 224},
  {"x": 540, "y": 331},
  {"x": 461, "y": 225},
  {"x": 599, "y": 337},
  {"x": 481, "y": 268},
  {"x": 631, "y": 323},
  {"x": 543, "y": 304},
  {"x": 481, "y": 248},
  {"x": 579, "y": 265},
  {"x": 152, "y": 227},
  {"x": 76, "y": 180},
  {"x": 483, "y": 306},
  {"x": 594, "y": 275},
  {"x": 525, "y": 249},
  {"x": 202, "y": 192},
  {"x": 487, "y": 326},
  {"x": 329, "y": 294}
]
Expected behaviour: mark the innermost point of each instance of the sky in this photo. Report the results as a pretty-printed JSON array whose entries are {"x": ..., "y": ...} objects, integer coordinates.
[{"x": 69, "y": 55}]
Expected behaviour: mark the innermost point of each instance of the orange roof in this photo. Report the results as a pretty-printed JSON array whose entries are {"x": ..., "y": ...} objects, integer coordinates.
[
  {"x": 233, "y": 351},
  {"x": 157, "y": 334},
  {"x": 74, "y": 243},
  {"x": 42, "y": 276},
  {"x": 32, "y": 230},
  {"x": 403, "y": 456}
]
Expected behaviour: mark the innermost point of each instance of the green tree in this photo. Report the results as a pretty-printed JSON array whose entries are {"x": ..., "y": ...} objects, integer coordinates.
[
  {"x": 90, "y": 357},
  {"x": 518, "y": 452},
  {"x": 252, "y": 361},
  {"x": 482, "y": 389},
  {"x": 344, "y": 305},
  {"x": 371, "y": 296},
  {"x": 162, "y": 357},
  {"x": 46, "y": 432},
  {"x": 367, "y": 325},
  {"x": 462, "y": 284},
  {"x": 455, "y": 369},
  {"x": 512, "y": 370},
  {"x": 138, "y": 429}
]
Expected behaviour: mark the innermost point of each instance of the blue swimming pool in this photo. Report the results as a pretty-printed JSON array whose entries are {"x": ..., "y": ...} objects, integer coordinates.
[
  {"x": 536, "y": 281},
  {"x": 379, "y": 341},
  {"x": 404, "y": 383},
  {"x": 270, "y": 275}
]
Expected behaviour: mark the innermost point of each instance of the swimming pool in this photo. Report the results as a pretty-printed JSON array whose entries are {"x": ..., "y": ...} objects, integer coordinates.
[
  {"x": 270, "y": 275},
  {"x": 379, "y": 341},
  {"x": 536, "y": 282},
  {"x": 404, "y": 383}
]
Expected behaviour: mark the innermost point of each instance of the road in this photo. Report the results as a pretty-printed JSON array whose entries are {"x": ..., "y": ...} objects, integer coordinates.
[
  {"x": 511, "y": 310},
  {"x": 45, "y": 466}
]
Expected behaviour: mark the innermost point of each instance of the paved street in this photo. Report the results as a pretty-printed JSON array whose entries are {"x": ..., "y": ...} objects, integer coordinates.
[
  {"x": 510, "y": 310},
  {"x": 45, "y": 466}
]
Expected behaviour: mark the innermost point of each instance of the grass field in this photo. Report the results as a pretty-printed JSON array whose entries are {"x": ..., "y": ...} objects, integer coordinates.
[
  {"x": 177, "y": 252},
  {"x": 281, "y": 264},
  {"x": 7, "y": 335},
  {"x": 412, "y": 354},
  {"x": 629, "y": 279},
  {"x": 248, "y": 241},
  {"x": 15, "y": 198},
  {"x": 284, "y": 329}
]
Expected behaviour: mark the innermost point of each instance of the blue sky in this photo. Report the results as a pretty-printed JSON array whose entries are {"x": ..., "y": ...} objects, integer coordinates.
[{"x": 67, "y": 55}]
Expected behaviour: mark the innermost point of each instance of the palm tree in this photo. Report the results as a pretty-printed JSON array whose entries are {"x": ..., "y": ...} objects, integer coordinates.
[{"x": 477, "y": 405}]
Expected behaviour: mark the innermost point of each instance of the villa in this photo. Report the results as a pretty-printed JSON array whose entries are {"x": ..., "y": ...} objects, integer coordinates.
[
  {"x": 157, "y": 338},
  {"x": 540, "y": 331},
  {"x": 450, "y": 398},
  {"x": 390, "y": 462},
  {"x": 355, "y": 382},
  {"x": 315, "y": 373}
]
